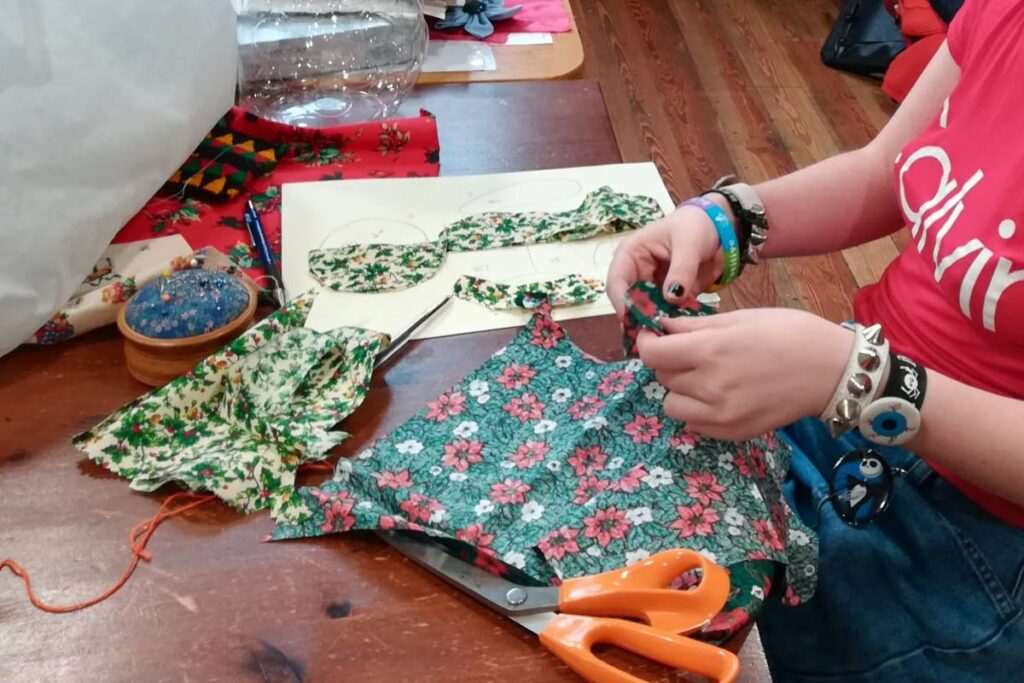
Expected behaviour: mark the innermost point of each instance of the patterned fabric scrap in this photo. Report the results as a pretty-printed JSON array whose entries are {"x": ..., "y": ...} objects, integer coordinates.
[
  {"x": 571, "y": 290},
  {"x": 243, "y": 420},
  {"x": 549, "y": 464},
  {"x": 375, "y": 267},
  {"x": 379, "y": 267},
  {"x": 225, "y": 162},
  {"x": 645, "y": 306},
  {"x": 118, "y": 275}
]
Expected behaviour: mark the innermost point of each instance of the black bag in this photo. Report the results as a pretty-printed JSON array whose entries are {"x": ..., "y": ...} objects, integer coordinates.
[
  {"x": 864, "y": 39},
  {"x": 946, "y": 9}
]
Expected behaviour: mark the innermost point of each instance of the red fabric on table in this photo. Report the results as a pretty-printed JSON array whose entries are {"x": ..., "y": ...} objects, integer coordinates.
[
  {"x": 536, "y": 16},
  {"x": 396, "y": 148}
]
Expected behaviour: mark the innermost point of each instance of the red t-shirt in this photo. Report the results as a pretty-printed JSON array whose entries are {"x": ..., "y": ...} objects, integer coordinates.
[{"x": 954, "y": 299}]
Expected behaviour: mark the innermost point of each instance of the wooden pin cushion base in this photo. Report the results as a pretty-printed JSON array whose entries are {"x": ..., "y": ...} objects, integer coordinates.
[{"x": 157, "y": 361}]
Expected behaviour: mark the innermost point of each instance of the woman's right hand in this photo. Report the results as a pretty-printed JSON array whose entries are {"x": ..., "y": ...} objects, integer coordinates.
[{"x": 680, "y": 251}]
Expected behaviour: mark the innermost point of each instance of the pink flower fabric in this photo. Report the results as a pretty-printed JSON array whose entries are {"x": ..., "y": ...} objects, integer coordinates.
[
  {"x": 695, "y": 520},
  {"x": 446, "y": 405},
  {"x": 461, "y": 454},
  {"x": 606, "y": 525},
  {"x": 510, "y": 491}
]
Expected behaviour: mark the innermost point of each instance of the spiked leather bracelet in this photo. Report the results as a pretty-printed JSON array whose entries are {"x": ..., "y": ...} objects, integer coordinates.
[{"x": 861, "y": 381}]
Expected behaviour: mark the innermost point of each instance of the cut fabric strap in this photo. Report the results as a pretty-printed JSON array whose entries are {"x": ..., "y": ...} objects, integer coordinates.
[
  {"x": 545, "y": 464},
  {"x": 384, "y": 267},
  {"x": 571, "y": 290},
  {"x": 242, "y": 421}
]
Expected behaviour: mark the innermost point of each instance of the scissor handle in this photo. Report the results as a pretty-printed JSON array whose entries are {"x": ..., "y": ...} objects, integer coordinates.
[
  {"x": 641, "y": 591},
  {"x": 572, "y": 638}
]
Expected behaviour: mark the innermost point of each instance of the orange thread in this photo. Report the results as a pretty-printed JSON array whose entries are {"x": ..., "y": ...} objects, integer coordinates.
[{"x": 138, "y": 537}]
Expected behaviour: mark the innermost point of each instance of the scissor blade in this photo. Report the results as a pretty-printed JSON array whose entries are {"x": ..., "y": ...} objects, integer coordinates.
[
  {"x": 501, "y": 595},
  {"x": 534, "y": 622},
  {"x": 403, "y": 338}
]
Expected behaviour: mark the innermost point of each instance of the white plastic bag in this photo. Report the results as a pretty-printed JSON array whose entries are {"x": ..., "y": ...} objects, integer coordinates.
[{"x": 100, "y": 100}]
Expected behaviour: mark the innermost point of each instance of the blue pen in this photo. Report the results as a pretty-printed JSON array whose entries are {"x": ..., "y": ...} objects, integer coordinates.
[{"x": 259, "y": 241}]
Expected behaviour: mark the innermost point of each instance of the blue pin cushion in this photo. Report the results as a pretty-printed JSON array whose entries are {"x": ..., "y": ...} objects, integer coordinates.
[
  {"x": 175, "y": 321},
  {"x": 186, "y": 304}
]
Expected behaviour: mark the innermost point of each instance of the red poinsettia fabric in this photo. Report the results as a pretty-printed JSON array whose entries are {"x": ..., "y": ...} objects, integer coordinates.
[{"x": 378, "y": 149}]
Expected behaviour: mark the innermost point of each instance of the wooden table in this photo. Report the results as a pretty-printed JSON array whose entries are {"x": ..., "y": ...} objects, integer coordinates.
[
  {"x": 217, "y": 604},
  {"x": 563, "y": 58}
]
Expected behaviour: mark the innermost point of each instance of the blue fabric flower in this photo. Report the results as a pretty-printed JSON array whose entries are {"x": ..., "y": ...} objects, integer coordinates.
[{"x": 475, "y": 16}]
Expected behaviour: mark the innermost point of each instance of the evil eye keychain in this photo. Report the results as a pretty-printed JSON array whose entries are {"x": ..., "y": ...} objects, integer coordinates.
[{"x": 860, "y": 489}]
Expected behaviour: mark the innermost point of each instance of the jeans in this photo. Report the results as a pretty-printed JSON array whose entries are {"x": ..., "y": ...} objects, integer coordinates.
[{"x": 933, "y": 590}]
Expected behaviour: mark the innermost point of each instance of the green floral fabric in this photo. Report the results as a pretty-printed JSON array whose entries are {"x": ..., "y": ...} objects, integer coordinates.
[
  {"x": 375, "y": 267},
  {"x": 570, "y": 290},
  {"x": 243, "y": 420},
  {"x": 603, "y": 211},
  {"x": 547, "y": 464},
  {"x": 644, "y": 306},
  {"x": 381, "y": 267}
]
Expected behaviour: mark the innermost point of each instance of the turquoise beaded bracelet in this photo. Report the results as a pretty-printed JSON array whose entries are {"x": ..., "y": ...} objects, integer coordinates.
[{"x": 726, "y": 235}]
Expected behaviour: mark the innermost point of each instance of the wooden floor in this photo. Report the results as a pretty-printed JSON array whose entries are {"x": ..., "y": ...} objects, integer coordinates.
[{"x": 709, "y": 87}]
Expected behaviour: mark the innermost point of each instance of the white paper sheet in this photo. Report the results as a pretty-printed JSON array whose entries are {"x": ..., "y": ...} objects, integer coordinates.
[
  {"x": 407, "y": 210},
  {"x": 458, "y": 55},
  {"x": 530, "y": 39}
]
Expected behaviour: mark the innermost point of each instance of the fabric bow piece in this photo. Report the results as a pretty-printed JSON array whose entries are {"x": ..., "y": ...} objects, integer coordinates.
[
  {"x": 475, "y": 16},
  {"x": 389, "y": 267}
]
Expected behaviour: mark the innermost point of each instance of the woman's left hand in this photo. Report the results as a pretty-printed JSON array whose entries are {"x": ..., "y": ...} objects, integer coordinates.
[{"x": 736, "y": 375}]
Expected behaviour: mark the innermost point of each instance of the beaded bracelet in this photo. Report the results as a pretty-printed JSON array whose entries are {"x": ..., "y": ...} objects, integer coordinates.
[{"x": 726, "y": 236}]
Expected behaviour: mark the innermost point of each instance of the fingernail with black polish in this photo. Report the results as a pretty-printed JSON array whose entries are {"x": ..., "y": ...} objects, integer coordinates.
[{"x": 675, "y": 289}]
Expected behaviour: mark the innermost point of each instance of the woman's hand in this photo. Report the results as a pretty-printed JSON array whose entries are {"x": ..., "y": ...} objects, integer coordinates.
[
  {"x": 681, "y": 251},
  {"x": 736, "y": 375}
]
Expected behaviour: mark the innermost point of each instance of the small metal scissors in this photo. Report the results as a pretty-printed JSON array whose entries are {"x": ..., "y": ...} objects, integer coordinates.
[
  {"x": 605, "y": 608},
  {"x": 396, "y": 344}
]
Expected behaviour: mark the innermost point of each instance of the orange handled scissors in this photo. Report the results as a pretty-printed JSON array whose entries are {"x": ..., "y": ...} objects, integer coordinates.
[{"x": 581, "y": 613}]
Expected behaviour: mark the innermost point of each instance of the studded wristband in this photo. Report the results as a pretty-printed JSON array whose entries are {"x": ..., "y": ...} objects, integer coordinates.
[{"x": 861, "y": 381}]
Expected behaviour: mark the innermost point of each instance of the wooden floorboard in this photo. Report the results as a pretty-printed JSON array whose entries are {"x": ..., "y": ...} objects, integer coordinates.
[{"x": 709, "y": 87}]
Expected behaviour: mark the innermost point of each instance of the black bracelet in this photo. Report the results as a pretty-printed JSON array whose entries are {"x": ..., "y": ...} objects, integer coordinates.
[
  {"x": 752, "y": 221},
  {"x": 907, "y": 380}
]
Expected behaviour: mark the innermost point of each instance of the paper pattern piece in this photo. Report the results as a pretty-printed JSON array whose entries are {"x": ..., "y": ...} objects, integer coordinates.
[{"x": 414, "y": 211}]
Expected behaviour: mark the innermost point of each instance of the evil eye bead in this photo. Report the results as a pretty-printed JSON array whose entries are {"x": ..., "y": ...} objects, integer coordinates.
[{"x": 890, "y": 421}]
